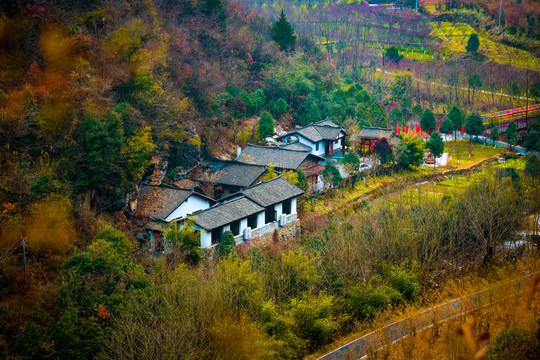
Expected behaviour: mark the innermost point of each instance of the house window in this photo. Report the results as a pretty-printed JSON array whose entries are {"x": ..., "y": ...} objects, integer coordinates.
[
  {"x": 235, "y": 227},
  {"x": 316, "y": 146},
  {"x": 270, "y": 214},
  {"x": 216, "y": 235},
  {"x": 252, "y": 221},
  {"x": 287, "y": 207}
]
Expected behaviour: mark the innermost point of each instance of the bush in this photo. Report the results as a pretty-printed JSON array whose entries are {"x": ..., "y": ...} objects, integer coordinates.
[
  {"x": 367, "y": 302},
  {"x": 515, "y": 344},
  {"x": 226, "y": 244},
  {"x": 404, "y": 281},
  {"x": 351, "y": 161}
]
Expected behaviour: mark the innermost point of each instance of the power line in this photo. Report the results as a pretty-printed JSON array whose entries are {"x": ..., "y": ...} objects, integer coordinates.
[
  {"x": 33, "y": 257},
  {"x": 6, "y": 255}
]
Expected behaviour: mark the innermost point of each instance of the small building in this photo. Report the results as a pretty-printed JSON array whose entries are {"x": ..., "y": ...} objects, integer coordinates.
[
  {"x": 157, "y": 205},
  {"x": 280, "y": 158},
  {"x": 313, "y": 177},
  {"x": 220, "y": 178},
  {"x": 368, "y": 136},
  {"x": 322, "y": 138},
  {"x": 251, "y": 213}
]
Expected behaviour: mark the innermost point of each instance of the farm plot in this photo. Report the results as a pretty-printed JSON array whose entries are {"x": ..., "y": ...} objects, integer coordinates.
[{"x": 454, "y": 40}]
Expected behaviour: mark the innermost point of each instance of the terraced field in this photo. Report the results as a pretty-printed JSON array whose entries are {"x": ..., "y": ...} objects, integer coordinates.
[{"x": 454, "y": 40}]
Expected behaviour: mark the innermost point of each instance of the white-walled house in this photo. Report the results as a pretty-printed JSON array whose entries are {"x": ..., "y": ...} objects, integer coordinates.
[
  {"x": 320, "y": 138},
  {"x": 157, "y": 205},
  {"x": 252, "y": 212}
]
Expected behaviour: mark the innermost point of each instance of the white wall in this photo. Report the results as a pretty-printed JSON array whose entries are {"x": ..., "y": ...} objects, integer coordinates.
[
  {"x": 192, "y": 204},
  {"x": 293, "y": 206},
  {"x": 260, "y": 220},
  {"x": 206, "y": 239},
  {"x": 279, "y": 210}
]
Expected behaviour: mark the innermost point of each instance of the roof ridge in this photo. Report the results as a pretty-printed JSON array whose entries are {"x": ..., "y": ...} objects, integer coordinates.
[
  {"x": 220, "y": 203},
  {"x": 167, "y": 186},
  {"x": 379, "y": 128},
  {"x": 234, "y": 161},
  {"x": 274, "y": 147}
]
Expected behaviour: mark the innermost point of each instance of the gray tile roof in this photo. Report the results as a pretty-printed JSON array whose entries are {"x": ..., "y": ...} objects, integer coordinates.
[
  {"x": 275, "y": 156},
  {"x": 158, "y": 202},
  {"x": 231, "y": 173},
  {"x": 320, "y": 130},
  {"x": 272, "y": 191},
  {"x": 297, "y": 145},
  {"x": 225, "y": 213},
  {"x": 326, "y": 122},
  {"x": 376, "y": 133}
]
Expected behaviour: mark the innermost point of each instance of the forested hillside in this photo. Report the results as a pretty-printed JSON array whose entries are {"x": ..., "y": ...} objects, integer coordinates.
[{"x": 95, "y": 95}]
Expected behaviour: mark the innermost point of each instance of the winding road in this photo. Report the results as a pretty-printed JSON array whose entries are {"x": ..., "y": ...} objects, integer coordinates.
[{"x": 394, "y": 332}]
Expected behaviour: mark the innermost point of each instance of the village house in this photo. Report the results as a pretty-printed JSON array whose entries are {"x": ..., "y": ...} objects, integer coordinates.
[
  {"x": 157, "y": 205},
  {"x": 251, "y": 213},
  {"x": 280, "y": 158},
  {"x": 365, "y": 139},
  {"x": 321, "y": 138},
  {"x": 219, "y": 178}
]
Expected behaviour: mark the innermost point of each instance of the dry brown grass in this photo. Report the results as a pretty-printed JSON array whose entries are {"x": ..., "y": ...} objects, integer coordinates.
[
  {"x": 469, "y": 335},
  {"x": 464, "y": 335}
]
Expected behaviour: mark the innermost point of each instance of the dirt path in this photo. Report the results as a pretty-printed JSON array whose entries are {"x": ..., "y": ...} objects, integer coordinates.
[
  {"x": 395, "y": 186},
  {"x": 458, "y": 87},
  {"x": 396, "y": 331}
]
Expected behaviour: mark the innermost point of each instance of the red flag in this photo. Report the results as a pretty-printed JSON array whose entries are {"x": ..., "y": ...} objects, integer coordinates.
[{"x": 370, "y": 147}]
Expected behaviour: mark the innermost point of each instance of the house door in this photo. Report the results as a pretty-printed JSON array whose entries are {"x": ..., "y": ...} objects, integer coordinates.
[{"x": 327, "y": 148}]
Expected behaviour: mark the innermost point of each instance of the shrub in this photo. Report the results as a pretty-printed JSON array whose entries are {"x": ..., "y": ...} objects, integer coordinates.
[
  {"x": 516, "y": 344},
  {"x": 266, "y": 126},
  {"x": 404, "y": 281},
  {"x": 226, "y": 244},
  {"x": 351, "y": 161},
  {"x": 367, "y": 302}
]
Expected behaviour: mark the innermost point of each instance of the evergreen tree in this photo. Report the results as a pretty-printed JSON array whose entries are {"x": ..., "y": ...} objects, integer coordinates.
[
  {"x": 511, "y": 134},
  {"x": 278, "y": 108},
  {"x": 435, "y": 144},
  {"x": 474, "y": 125},
  {"x": 392, "y": 53},
  {"x": 283, "y": 33},
  {"x": 331, "y": 174},
  {"x": 494, "y": 135},
  {"x": 302, "y": 180},
  {"x": 396, "y": 117},
  {"x": 266, "y": 126},
  {"x": 456, "y": 117},
  {"x": 532, "y": 142},
  {"x": 447, "y": 126},
  {"x": 473, "y": 44},
  {"x": 428, "y": 122}
]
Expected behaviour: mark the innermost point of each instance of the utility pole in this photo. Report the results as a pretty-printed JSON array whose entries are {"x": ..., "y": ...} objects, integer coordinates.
[
  {"x": 417, "y": 5},
  {"x": 24, "y": 258},
  {"x": 500, "y": 14}
]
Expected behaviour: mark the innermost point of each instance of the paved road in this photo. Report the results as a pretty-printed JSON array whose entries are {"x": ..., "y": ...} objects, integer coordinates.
[{"x": 361, "y": 347}]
